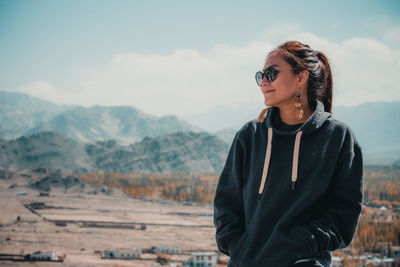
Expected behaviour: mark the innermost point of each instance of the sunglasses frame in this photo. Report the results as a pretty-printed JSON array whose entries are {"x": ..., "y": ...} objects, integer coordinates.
[{"x": 271, "y": 75}]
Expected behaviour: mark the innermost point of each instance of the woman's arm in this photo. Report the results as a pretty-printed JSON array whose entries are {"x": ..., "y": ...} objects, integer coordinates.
[
  {"x": 336, "y": 227},
  {"x": 228, "y": 200}
]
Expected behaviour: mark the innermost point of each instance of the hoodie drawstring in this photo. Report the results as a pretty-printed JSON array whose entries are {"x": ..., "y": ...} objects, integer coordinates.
[
  {"x": 296, "y": 158},
  {"x": 266, "y": 163},
  {"x": 268, "y": 157}
]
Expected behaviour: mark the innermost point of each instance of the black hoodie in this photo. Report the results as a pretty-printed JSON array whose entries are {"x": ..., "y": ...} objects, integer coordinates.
[{"x": 287, "y": 196}]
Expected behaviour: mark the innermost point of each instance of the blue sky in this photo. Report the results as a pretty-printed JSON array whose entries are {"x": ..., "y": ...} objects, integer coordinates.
[{"x": 58, "y": 49}]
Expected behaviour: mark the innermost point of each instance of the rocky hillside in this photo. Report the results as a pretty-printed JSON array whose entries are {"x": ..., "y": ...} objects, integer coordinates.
[
  {"x": 187, "y": 152},
  {"x": 47, "y": 149},
  {"x": 176, "y": 152}
]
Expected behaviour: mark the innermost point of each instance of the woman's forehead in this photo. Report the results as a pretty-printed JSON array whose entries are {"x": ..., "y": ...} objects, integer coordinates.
[{"x": 275, "y": 59}]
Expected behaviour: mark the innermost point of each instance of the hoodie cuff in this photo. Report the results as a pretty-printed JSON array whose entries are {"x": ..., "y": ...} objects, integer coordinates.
[
  {"x": 227, "y": 242},
  {"x": 232, "y": 242}
]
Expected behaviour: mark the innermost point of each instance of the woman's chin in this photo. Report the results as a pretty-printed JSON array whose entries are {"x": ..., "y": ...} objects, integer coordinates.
[{"x": 268, "y": 102}]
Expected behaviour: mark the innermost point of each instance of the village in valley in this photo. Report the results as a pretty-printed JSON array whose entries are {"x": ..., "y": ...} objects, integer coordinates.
[
  {"x": 75, "y": 224},
  {"x": 53, "y": 218}
]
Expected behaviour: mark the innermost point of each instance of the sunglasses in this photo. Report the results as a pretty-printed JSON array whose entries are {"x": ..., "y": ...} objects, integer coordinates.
[{"x": 270, "y": 73}]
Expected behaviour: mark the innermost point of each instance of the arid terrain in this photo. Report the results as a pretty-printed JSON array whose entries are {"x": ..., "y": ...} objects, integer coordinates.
[
  {"x": 56, "y": 211},
  {"x": 77, "y": 206}
]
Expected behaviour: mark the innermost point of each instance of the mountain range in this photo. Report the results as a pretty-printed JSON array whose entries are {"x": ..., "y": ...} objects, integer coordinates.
[
  {"x": 375, "y": 124},
  {"x": 25, "y": 115}
]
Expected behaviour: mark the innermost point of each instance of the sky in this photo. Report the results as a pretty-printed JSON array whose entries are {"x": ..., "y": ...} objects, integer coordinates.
[{"x": 187, "y": 57}]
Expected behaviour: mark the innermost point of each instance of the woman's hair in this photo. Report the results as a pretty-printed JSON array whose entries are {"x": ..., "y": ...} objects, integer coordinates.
[{"x": 301, "y": 57}]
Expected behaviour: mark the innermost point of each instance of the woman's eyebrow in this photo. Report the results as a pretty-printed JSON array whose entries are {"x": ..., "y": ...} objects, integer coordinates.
[{"x": 274, "y": 65}]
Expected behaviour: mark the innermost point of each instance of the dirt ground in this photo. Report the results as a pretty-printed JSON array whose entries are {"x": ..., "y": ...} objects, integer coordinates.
[{"x": 172, "y": 224}]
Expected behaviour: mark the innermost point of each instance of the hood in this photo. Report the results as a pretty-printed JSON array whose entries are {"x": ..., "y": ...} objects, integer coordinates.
[
  {"x": 312, "y": 124},
  {"x": 315, "y": 121}
]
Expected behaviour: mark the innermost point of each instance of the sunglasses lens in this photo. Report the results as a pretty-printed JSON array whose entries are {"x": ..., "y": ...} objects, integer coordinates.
[
  {"x": 272, "y": 77},
  {"x": 259, "y": 78},
  {"x": 270, "y": 73}
]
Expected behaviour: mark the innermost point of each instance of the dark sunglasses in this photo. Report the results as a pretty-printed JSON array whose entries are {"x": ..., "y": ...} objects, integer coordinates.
[{"x": 270, "y": 73}]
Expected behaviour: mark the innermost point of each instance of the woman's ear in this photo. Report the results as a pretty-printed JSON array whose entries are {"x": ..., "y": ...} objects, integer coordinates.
[{"x": 302, "y": 78}]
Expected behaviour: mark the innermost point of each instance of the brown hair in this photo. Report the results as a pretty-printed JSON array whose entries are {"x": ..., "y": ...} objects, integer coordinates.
[{"x": 301, "y": 57}]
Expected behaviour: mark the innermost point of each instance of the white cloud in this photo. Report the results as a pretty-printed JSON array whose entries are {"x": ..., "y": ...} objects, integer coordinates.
[
  {"x": 190, "y": 81},
  {"x": 372, "y": 72},
  {"x": 185, "y": 81}
]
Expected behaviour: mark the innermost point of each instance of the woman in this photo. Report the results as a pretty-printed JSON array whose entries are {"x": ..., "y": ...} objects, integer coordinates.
[{"x": 291, "y": 189}]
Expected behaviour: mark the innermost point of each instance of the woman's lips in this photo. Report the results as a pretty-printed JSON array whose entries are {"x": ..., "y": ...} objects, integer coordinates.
[{"x": 268, "y": 91}]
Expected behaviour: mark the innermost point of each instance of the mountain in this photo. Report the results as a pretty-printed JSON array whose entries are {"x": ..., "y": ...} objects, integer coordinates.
[
  {"x": 174, "y": 152},
  {"x": 124, "y": 124},
  {"x": 377, "y": 128},
  {"x": 180, "y": 151},
  {"x": 13, "y": 121},
  {"x": 224, "y": 117},
  {"x": 29, "y": 104},
  {"x": 20, "y": 112},
  {"x": 226, "y": 134},
  {"x": 376, "y": 124}
]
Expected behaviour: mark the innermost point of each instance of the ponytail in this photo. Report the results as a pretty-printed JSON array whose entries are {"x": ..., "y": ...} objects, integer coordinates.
[{"x": 326, "y": 77}]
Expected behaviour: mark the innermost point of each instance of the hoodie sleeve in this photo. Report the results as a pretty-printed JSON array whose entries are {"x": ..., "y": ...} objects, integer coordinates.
[
  {"x": 228, "y": 200},
  {"x": 336, "y": 227}
]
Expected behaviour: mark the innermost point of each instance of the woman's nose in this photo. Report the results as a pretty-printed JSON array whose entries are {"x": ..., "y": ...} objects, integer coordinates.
[{"x": 265, "y": 80}]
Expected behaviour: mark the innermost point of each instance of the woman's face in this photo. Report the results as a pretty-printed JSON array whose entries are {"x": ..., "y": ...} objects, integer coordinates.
[{"x": 283, "y": 89}]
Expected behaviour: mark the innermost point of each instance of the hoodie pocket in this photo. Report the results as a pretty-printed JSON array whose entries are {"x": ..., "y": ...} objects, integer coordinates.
[
  {"x": 305, "y": 239},
  {"x": 239, "y": 249}
]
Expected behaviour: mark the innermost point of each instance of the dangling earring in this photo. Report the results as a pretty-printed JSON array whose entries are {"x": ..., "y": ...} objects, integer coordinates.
[
  {"x": 261, "y": 117},
  {"x": 298, "y": 104}
]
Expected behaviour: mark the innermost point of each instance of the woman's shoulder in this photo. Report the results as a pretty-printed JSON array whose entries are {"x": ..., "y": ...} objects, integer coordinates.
[
  {"x": 249, "y": 128},
  {"x": 338, "y": 126},
  {"x": 249, "y": 131}
]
